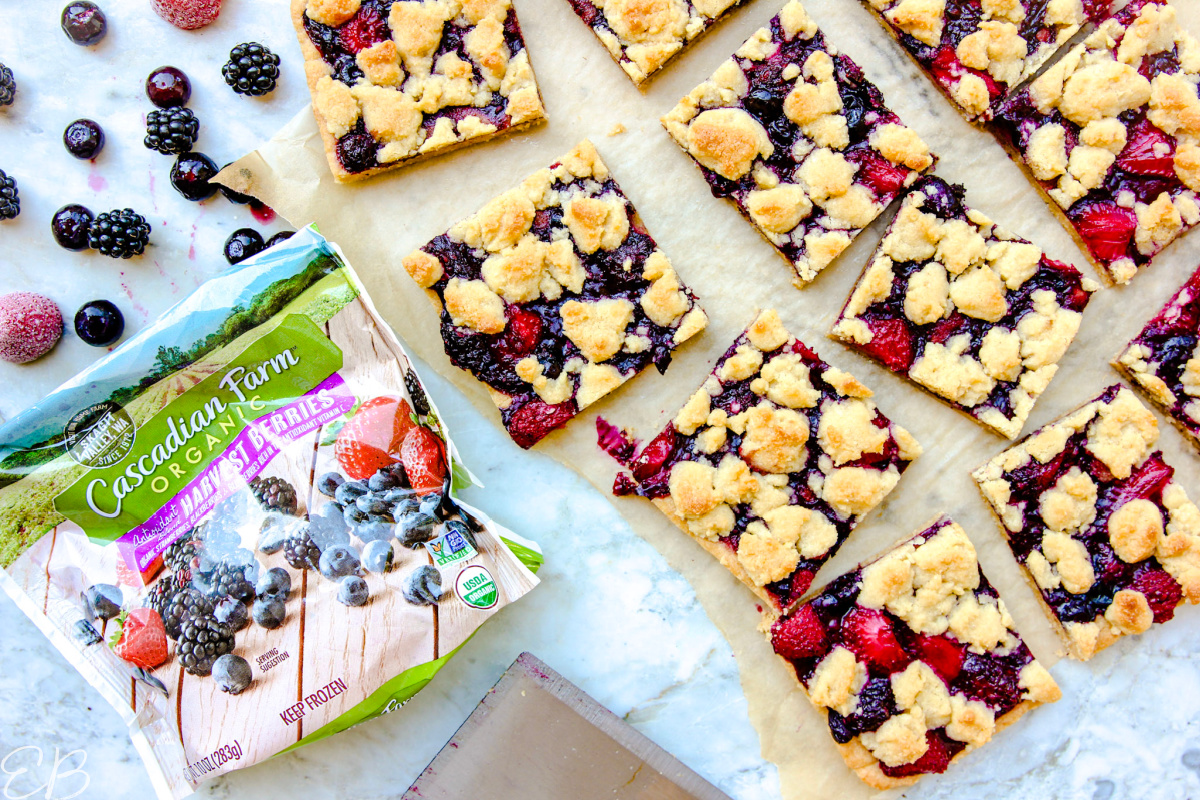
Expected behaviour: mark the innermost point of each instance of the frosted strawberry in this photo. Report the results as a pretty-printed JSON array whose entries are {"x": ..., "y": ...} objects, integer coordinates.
[
  {"x": 30, "y": 326},
  {"x": 370, "y": 440},
  {"x": 799, "y": 636},
  {"x": 424, "y": 460},
  {"x": 869, "y": 634},
  {"x": 188, "y": 14},
  {"x": 140, "y": 638}
]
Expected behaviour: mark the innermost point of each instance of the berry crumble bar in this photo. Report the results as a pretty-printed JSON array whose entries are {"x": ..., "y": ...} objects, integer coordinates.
[
  {"x": 1106, "y": 536},
  {"x": 554, "y": 294},
  {"x": 395, "y": 81},
  {"x": 1164, "y": 362},
  {"x": 914, "y": 658},
  {"x": 771, "y": 463},
  {"x": 643, "y": 35},
  {"x": 978, "y": 51},
  {"x": 964, "y": 309},
  {"x": 1111, "y": 135},
  {"x": 796, "y": 136}
]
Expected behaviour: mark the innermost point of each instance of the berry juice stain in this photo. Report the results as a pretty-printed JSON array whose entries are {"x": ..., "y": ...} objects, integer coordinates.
[
  {"x": 264, "y": 214},
  {"x": 96, "y": 182}
]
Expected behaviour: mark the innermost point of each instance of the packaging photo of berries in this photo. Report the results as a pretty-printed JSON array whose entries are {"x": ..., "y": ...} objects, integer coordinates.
[{"x": 241, "y": 525}]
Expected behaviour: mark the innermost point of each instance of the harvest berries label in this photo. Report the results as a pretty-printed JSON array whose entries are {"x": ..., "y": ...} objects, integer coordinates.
[{"x": 475, "y": 587}]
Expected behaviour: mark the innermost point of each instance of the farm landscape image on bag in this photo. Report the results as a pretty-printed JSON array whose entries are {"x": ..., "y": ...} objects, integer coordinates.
[{"x": 241, "y": 526}]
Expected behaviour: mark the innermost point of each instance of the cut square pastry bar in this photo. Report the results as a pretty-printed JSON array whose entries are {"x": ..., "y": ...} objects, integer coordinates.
[
  {"x": 1107, "y": 537},
  {"x": 974, "y": 314},
  {"x": 913, "y": 657},
  {"x": 795, "y": 135},
  {"x": 978, "y": 51},
  {"x": 771, "y": 463},
  {"x": 1111, "y": 135},
  {"x": 1164, "y": 360},
  {"x": 643, "y": 35},
  {"x": 554, "y": 294},
  {"x": 395, "y": 81}
]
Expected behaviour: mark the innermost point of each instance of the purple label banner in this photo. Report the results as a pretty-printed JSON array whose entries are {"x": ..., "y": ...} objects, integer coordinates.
[{"x": 246, "y": 457}]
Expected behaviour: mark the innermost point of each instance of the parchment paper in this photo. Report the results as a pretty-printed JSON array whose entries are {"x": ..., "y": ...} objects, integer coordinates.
[{"x": 734, "y": 272}]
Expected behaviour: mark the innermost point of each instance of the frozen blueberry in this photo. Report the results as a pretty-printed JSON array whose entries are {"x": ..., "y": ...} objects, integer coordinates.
[
  {"x": 349, "y": 491},
  {"x": 269, "y": 612},
  {"x": 86, "y": 633},
  {"x": 99, "y": 323},
  {"x": 375, "y": 530},
  {"x": 354, "y": 516},
  {"x": 328, "y": 527},
  {"x": 382, "y": 481},
  {"x": 353, "y": 591},
  {"x": 282, "y": 236},
  {"x": 192, "y": 175},
  {"x": 415, "y": 528},
  {"x": 370, "y": 504},
  {"x": 232, "y": 673},
  {"x": 83, "y": 139},
  {"x": 275, "y": 532},
  {"x": 339, "y": 561},
  {"x": 83, "y": 22},
  {"x": 168, "y": 87},
  {"x": 232, "y": 612},
  {"x": 378, "y": 556},
  {"x": 70, "y": 226},
  {"x": 275, "y": 582},
  {"x": 328, "y": 484},
  {"x": 432, "y": 504},
  {"x": 242, "y": 244},
  {"x": 424, "y": 586},
  {"x": 104, "y": 599}
]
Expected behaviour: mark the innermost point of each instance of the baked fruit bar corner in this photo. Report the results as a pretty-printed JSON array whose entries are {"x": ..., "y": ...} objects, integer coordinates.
[
  {"x": 554, "y": 294},
  {"x": 1164, "y": 363},
  {"x": 1109, "y": 540},
  {"x": 771, "y": 463},
  {"x": 795, "y": 135},
  {"x": 978, "y": 51},
  {"x": 396, "y": 81},
  {"x": 1111, "y": 135},
  {"x": 643, "y": 35},
  {"x": 913, "y": 657},
  {"x": 966, "y": 310}
]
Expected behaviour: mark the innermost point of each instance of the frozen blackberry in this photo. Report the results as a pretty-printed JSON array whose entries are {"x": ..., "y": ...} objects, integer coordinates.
[
  {"x": 353, "y": 591},
  {"x": 86, "y": 633},
  {"x": 275, "y": 582},
  {"x": 185, "y": 605},
  {"x": 252, "y": 69},
  {"x": 10, "y": 203},
  {"x": 163, "y": 591},
  {"x": 180, "y": 554},
  {"x": 301, "y": 552},
  {"x": 229, "y": 580},
  {"x": 274, "y": 494},
  {"x": 416, "y": 392},
  {"x": 201, "y": 642},
  {"x": 232, "y": 673},
  {"x": 8, "y": 86},
  {"x": 269, "y": 612},
  {"x": 329, "y": 483},
  {"x": 171, "y": 131},
  {"x": 232, "y": 613},
  {"x": 119, "y": 234},
  {"x": 423, "y": 587}
]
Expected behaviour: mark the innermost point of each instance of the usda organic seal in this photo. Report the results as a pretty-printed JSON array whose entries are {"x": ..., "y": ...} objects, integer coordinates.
[{"x": 476, "y": 587}]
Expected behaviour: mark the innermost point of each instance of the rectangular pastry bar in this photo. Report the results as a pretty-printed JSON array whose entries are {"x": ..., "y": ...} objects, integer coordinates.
[
  {"x": 554, "y": 294},
  {"x": 643, "y": 35},
  {"x": 965, "y": 309},
  {"x": 771, "y": 463},
  {"x": 1111, "y": 135},
  {"x": 913, "y": 657},
  {"x": 795, "y": 135},
  {"x": 978, "y": 51},
  {"x": 1108, "y": 539},
  {"x": 1164, "y": 362},
  {"x": 396, "y": 81}
]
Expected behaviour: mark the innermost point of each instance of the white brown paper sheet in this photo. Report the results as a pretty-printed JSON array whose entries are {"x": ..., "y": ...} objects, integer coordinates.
[{"x": 734, "y": 272}]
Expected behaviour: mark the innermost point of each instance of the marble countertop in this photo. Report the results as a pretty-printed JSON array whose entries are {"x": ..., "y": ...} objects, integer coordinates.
[{"x": 610, "y": 615}]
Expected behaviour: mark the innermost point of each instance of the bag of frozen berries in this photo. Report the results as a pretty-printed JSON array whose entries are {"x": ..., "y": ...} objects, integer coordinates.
[{"x": 241, "y": 525}]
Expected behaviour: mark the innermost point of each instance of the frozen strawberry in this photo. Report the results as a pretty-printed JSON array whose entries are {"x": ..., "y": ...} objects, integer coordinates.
[
  {"x": 364, "y": 29},
  {"x": 940, "y": 653},
  {"x": 1162, "y": 591},
  {"x": 870, "y": 636},
  {"x": 936, "y": 759},
  {"x": 535, "y": 419},
  {"x": 424, "y": 460},
  {"x": 1148, "y": 152},
  {"x": 1106, "y": 228},
  {"x": 371, "y": 438},
  {"x": 140, "y": 638},
  {"x": 188, "y": 14},
  {"x": 890, "y": 343},
  {"x": 30, "y": 326},
  {"x": 799, "y": 636}
]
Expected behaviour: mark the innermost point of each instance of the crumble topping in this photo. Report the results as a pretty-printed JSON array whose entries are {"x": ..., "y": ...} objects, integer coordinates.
[
  {"x": 900, "y": 740},
  {"x": 837, "y": 681}
]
